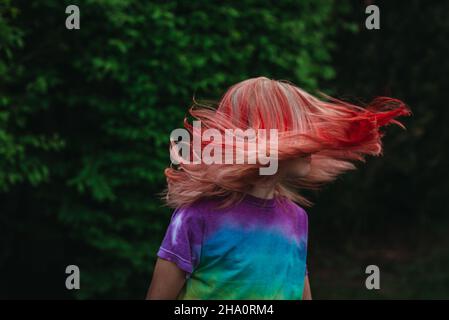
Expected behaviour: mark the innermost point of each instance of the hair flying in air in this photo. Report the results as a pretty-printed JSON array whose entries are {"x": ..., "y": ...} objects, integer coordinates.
[{"x": 335, "y": 133}]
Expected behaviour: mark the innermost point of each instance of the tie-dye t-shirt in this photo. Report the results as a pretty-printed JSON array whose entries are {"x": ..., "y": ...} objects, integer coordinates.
[{"x": 255, "y": 249}]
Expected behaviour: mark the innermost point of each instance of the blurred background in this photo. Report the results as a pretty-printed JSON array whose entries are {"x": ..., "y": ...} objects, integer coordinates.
[{"x": 85, "y": 119}]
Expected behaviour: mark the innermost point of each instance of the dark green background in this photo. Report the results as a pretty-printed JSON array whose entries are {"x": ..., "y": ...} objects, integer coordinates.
[{"x": 85, "y": 117}]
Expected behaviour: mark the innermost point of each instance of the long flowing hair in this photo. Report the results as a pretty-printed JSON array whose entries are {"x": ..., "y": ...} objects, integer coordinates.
[{"x": 335, "y": 133}]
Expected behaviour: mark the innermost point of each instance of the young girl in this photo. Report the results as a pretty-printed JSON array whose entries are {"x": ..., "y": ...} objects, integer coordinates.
[{"x": 237, "y": 234}]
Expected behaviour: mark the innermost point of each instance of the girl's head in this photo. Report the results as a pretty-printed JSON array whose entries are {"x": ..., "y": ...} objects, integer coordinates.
[
  {"x": 261, "y": 103},
  {"x": 298, "y": 167},
  {"x": 316, "y": 140}
]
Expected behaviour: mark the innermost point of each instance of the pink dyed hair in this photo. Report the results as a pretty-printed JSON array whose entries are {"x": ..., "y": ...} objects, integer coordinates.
[{"x": 336, "y": 133}]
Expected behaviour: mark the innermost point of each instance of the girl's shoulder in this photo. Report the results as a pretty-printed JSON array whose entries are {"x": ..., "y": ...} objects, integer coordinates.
[
  {"x": 299, "y": 212},
  {"x": 197, "y": 210}
]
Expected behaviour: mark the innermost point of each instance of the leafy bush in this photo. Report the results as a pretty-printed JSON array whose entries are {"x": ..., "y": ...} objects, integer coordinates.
[{"x": 85, "y": 117}]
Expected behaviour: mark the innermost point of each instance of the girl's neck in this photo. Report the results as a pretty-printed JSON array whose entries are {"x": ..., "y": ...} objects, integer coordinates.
[{"x": 263, "y": 191}]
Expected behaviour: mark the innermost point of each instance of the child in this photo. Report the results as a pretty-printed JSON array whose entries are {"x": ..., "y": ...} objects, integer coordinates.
[{"x": 238, "y": 234}]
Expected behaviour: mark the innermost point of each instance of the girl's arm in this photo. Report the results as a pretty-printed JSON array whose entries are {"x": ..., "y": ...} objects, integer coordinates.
[
  {"x": 167, "y": 281},
  {"x": 307, "y": 294}
]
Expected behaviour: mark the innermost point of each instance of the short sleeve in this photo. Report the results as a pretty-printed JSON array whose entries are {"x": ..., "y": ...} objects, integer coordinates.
[
  {"x": 306, "y": 228},
  {"x": 304, "y": 233},
  {"x": 183, "y": 239}
]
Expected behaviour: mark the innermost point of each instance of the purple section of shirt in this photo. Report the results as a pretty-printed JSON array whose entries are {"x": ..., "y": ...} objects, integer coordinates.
[{"x": 183, "y": 239}]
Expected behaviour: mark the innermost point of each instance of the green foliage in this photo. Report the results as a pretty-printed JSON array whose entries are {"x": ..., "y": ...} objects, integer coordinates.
[{"x": 85, "y": 117}]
